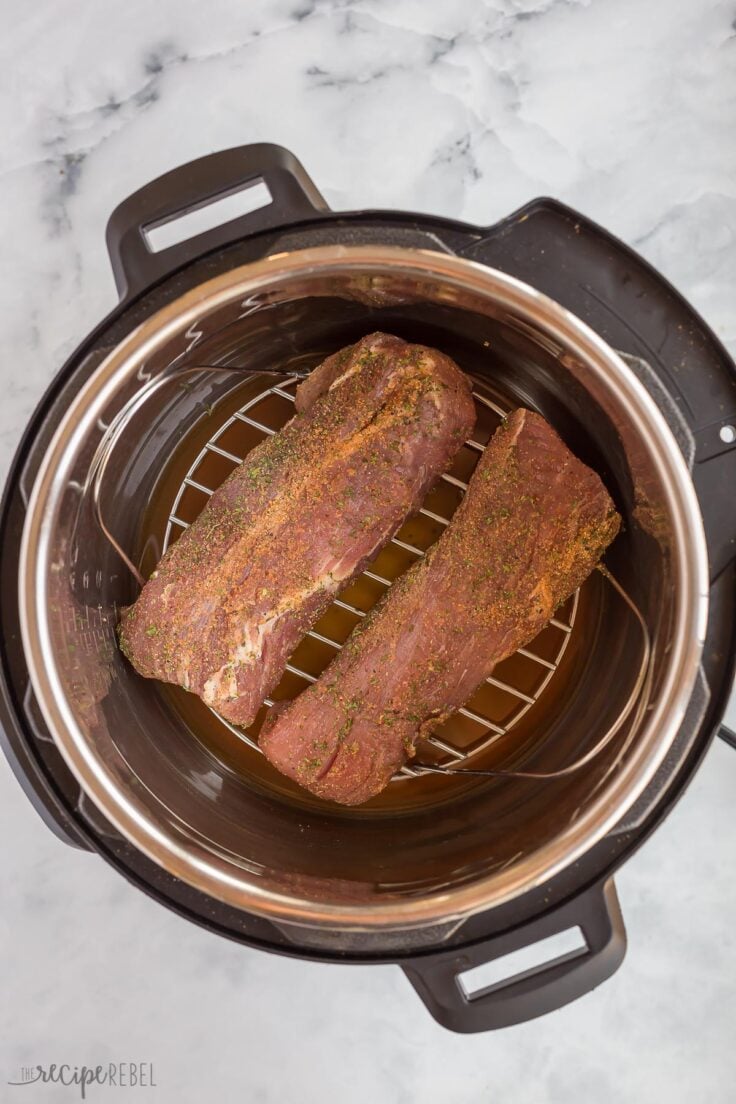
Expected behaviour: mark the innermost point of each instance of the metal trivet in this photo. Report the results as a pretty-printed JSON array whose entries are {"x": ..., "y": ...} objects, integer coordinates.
[{"x": 537, "y": 670}]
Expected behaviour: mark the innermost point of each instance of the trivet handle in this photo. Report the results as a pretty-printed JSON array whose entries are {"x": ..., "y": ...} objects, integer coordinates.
[
  {"x": 437, "y": 979},
  {"x": 293, "y": 197}
]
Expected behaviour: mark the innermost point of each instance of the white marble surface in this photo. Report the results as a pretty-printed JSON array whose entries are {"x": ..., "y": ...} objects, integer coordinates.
[{"x": 624, "y": 109}]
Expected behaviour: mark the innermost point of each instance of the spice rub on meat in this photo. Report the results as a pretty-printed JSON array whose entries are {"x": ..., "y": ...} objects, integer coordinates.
[
  {"x": 531, "y": 527},
  {"x": 376, "y": 424}
]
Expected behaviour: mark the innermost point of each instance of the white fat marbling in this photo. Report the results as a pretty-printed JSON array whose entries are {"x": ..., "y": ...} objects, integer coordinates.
[{"x": 623, "y": 108}]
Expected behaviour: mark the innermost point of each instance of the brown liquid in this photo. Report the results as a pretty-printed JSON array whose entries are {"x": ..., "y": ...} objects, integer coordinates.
[{"x": 502, "y": 708}]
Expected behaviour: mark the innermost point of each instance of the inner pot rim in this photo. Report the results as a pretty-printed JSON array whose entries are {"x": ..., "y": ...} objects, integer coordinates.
[{"x": 184, "y": 859}]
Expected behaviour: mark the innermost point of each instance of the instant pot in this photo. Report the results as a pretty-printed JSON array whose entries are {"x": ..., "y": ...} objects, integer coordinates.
[{"x": 451, "y": 868}]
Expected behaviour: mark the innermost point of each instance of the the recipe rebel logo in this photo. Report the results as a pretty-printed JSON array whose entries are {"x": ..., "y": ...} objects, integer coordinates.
[{"x": 116, "y": 1075}]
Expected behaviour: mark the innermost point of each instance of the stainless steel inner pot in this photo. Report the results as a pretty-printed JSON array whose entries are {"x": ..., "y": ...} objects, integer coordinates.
[{"x": 232, "y": 829}]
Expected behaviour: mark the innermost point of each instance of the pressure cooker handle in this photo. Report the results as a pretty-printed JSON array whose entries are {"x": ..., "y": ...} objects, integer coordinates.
[
  {"x": 291, "y": 196},
  {"x": 728, "y": 736},
  {"x": 438, "y": 980},
  {"x": 633, "y": 307}
]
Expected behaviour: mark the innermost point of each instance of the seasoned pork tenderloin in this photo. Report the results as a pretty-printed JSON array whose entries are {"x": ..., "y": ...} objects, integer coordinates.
[
  {"x": 376, "y": 424},
  {"x": 531, "y": 527}
]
